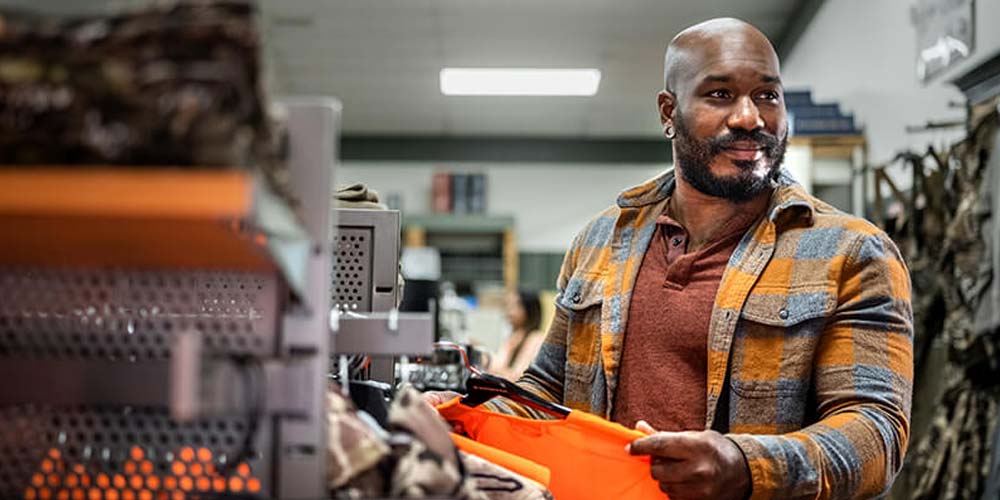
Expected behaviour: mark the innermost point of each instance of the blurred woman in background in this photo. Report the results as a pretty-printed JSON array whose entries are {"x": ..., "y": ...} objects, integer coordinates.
[{"x": 524, "y": 313}]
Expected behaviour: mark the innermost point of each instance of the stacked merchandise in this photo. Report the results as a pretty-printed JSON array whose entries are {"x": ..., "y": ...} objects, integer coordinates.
[
  {"x": 809, "y": 118},
  {"x": 168, "y": 85},
  {"x": 458, "y": 193}
]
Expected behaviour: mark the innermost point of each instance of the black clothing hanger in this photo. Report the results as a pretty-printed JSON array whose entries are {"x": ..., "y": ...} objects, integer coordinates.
[
  {"x": 483, "y": 387},
  {"x": 373, "y": 397}
]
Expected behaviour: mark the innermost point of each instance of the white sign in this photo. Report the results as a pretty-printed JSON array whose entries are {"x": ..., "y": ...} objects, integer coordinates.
[{"x": 945, "y": 34}]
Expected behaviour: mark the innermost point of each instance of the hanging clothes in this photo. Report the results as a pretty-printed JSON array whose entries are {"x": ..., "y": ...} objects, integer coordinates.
[
  {"x": 947, "y": 235},
  {"x": 413, "y": 457},
  {"x": 585, "y": 454}
]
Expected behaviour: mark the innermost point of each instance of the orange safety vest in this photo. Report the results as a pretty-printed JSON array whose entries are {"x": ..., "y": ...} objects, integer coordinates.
[
  {"x": 585, "y": 454},
  {"x": 526, "y": 468}
]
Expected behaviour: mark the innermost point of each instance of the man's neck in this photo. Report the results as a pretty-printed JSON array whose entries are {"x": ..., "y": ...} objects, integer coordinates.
[{"x": 707, "y": 218}]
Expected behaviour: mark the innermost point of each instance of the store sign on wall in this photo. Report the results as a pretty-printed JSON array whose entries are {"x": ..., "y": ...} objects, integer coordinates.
[{"x": 945, "y": 34}]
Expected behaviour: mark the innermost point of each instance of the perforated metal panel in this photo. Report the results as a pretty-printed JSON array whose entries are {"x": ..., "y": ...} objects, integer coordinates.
[
  {"x": 352, "y": 283},
  {"x": 131, "y": 315},
  {"x": 124, "y": 453},
  {"x": 116, "y": 452}
]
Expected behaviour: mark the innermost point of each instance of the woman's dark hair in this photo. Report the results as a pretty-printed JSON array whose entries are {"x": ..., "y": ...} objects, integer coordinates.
[
  {"x": 532, "y": 321},
  {"x": 532, "y": 309}
]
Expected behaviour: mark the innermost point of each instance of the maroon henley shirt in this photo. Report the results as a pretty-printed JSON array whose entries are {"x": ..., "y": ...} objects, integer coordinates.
[{"x": 664, "y": 365}]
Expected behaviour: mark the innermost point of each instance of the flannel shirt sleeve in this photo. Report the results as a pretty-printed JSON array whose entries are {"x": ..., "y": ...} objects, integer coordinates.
[
  {"x": 863, "y": 376},
  {"x": 546, "y": 374}
]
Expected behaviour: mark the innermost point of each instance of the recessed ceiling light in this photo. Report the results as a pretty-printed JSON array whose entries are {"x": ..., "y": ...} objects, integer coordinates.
[{"x": 520, "y": 81}]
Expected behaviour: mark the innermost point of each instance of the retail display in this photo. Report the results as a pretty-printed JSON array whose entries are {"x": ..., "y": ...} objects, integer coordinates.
[
  {"x": 168, "y": 85},
  {"x": 944, "y": 231}
]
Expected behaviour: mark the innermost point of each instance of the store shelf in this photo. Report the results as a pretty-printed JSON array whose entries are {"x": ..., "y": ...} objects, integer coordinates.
[
  {"x": 828, "y": 140},
  {"x": 474, "y": 247},
  {"x": 147, "y": 218},
  {"x": 460, "y": 223},
  {"x": 830, "y": 146}
]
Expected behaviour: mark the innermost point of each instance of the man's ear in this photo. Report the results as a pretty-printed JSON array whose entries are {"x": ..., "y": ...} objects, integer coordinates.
[{"x": 665, "y": 102}]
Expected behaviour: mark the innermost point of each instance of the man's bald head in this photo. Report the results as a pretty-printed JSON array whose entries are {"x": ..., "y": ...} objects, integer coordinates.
[
  {"x": 722, "y": 108},
  {"x": 724, "y": 37}
]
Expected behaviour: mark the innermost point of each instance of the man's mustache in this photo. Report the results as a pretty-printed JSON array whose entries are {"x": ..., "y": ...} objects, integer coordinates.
[{"x": 768, "y": 142}]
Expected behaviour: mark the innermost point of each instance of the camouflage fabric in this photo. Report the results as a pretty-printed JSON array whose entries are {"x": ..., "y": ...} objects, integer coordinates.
[
  {"x": 352, "y": 445},
  {"x": 175, "y": 84},
  {"x": 943, "y": 235},
  {"x": 414, "y": 459},
  {"x": 430, "y": 465},
  {"x": 499, "y": 483},
  {"x": 483, "y": 479},
  {"x": 358, "y": 195}
]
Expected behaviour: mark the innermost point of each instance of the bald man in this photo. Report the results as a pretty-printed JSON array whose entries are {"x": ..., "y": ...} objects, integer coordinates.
[{"x": 759, "y": 336}]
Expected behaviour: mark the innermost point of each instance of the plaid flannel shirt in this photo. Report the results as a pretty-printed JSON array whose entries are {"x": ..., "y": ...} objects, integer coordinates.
[{"x": 810, "y": 362}]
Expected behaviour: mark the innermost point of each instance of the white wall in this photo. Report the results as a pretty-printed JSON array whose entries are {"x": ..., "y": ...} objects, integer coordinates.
[
  {"x": 862, "y": 54},
  {"x": 798, "y": 162},
  {"x": 551, "y": 202}
]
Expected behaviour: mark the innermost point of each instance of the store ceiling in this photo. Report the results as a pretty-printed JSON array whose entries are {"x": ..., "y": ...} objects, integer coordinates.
[{"x": 382, "y": 57}]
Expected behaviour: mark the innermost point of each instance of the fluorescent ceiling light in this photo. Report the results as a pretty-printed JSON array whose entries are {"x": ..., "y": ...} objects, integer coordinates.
[{"x": 519, "y": 81}]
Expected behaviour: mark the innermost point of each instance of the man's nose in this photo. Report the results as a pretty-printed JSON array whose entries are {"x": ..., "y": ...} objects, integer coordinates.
[{"x": 745, "y": 116}]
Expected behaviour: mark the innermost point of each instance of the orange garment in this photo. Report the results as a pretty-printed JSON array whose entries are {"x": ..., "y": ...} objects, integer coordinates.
[
  {"x": 535, "y": 472},
  {"x": 585, "y": 454}
]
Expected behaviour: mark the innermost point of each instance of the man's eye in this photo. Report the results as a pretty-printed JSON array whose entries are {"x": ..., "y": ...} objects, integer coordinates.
[
  {"x": 769, "y": 95},
  {"x": 719, "y": 94}
]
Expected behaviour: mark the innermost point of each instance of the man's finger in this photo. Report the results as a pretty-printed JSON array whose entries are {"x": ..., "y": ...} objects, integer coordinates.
[
  {"x": 644, "y": 427},
  {"x": 432, "y": 398},
  {"x": 677, "y": 445},
  {"x": 436, "y": 398}
]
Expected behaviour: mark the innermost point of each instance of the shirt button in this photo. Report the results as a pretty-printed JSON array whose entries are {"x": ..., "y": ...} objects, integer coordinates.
[
  {"x": 577, "y": 298},
  {"x": 783, "y": 314}
]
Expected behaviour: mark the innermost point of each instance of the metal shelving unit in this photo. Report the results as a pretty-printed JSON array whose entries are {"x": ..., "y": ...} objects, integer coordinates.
[{"x": 165, "y": 332}]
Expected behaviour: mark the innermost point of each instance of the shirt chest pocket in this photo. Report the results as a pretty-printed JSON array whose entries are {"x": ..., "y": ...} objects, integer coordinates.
[
  {"x": 582, "y": 300},
  {"x": 583, "y": 294},
  {"x": 775, "y": 341}
]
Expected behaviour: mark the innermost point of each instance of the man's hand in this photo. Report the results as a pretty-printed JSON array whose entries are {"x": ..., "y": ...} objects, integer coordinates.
[
  {"x": 436, "y": 398},
  {"x": 694, "y": 464}
]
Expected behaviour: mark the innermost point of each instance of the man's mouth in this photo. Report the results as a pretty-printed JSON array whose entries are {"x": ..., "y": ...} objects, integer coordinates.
[{"x": 743, "y": 150}]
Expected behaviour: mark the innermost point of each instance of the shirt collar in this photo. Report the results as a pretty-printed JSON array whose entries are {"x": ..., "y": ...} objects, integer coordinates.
[
  {"x": 789, "y": 196},
  {"x": 669, "y": 223}
]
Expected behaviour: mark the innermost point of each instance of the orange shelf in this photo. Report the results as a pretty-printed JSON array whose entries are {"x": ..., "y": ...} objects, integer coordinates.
[
  {"x": 134, "y": 218},
  {"x": 162, "y": 193}
]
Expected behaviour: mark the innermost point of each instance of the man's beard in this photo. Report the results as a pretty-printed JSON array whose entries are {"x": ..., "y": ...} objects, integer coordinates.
[{"x": 695, "y": 157}]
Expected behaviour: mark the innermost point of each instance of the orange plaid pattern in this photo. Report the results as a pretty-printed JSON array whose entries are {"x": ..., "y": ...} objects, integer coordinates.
[{"x": 810, "y": 362}]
